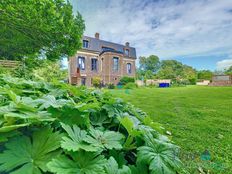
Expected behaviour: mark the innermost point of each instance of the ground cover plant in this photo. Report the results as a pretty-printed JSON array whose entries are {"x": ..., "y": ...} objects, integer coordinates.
[
  {"x": 61, "y": 129},
  {"x": 199, "y": 118}
]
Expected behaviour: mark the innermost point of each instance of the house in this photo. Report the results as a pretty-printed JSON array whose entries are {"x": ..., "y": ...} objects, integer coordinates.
[
  {"x": 221, "y": 80},
  {"x": 105, "y": 60}
]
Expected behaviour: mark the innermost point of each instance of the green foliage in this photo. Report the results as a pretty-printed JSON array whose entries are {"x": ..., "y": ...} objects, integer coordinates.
[
  {"x": 33, "y": 28},
  {"x": 58, "y": 128},
  {"x": 105, "y": 140},
  {"x": 112, "y": 167},
  {"x": 50, "y": 71},
  {"x": 204, "y": 75},
  {"x": 150, "y": 63},
  {"x": 160, "y": 156},
  {"x": 30, "y": 156},
  {"x": 172, "y": 69},
  {"x": 130, "y": 85},
  {"x": 81, "y": 162},
  {"x": 110, "y": 86},
  {"x": 96, "y": 81},
  {"x": 229, "y": 71},
  {"x": 76, "y": 139},
  {"x": 124, "y": 80}
]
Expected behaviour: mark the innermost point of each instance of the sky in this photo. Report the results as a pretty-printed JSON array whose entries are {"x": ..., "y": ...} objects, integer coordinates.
[{"x": 195, "y": 32}]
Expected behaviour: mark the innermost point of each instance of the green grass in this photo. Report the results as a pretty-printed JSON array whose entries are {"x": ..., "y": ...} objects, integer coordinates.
[{"x": 199, "y": 118}]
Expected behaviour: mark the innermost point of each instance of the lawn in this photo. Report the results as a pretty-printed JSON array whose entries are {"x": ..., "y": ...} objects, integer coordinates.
[{"x": 199, "y": 118}]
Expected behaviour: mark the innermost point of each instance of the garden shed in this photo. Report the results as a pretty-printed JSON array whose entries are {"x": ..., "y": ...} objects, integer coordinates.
[{"x": 221, "y": 80}]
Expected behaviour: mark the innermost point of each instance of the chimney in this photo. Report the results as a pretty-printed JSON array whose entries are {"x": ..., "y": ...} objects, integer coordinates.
[
  {"x": 97, "y": 35},
  {"x": 127, "y": 44}
]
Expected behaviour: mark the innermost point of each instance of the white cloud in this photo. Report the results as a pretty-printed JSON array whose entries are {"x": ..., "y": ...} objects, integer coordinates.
[
  {"x": 224, "y": 64},
  {"x": 166, "y": 28}
]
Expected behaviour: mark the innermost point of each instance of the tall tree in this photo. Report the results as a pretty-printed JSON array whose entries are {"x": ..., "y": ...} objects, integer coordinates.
[
  {"x": 204, "y": 74},
  {"x": 172, "y": 69},
  {"x": 38, "y": 28},
  {"x": 150, "y": 63},
  {"x": 229, "y": 71}
]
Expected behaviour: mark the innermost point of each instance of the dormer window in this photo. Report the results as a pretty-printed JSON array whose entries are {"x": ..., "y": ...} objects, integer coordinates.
[
  {"x": 126, "y": 52},
  {"x": 107, "y": 49},
  {"x": 85, "y": 43}
]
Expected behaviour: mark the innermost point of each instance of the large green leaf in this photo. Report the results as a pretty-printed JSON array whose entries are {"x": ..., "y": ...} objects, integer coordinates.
[
  {"x": 50, "y": 100},
  {"x": 75, "y": 139},
  {"x": 30, "y": 156},
  {"x": 4, "y": 136},
  {"x": 80, "y": 163},
  {"x": 112, "y": 167},
  {"x": 140, "y": 168},
  {"x": 13, "y": 127},
  {"x": 105, "y": 140},
  {"x": 69, "y": 115},
  {"x": 128, "y": 124},
  {"x": 160, "y": 156}
]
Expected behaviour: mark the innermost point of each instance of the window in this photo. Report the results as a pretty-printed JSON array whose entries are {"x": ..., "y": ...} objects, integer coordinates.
[
  {"x": 115, "y": 64},
  {"x": 94, "y": 64},
  {"x": 107, "y": 49},
  {"x": 85, "y": 43},
  {"x": 81, "y": 63},
  {"x": 126, "y": 52},
  {"x": 128, "y": 67},
  {"x": 83, "y": 81}
]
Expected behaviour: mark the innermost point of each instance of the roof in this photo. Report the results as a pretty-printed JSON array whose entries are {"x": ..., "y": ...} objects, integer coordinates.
[
  {"x": 112, "y": 51},
  {"x": 97, "y": 44}
]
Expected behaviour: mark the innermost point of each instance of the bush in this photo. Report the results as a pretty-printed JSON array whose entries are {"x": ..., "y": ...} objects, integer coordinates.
[
  {"x": 96, "y": 81},
  {"x": 193, "y": 81},
  {"x": 124, "y": 80},
  {"x": 4, "y": 70},
  {"x": 130, "y": 86},
  {"x": 110, "y": 86},
  {"x": 50, "y": 71},
  {"x": 62, "y": 129}
]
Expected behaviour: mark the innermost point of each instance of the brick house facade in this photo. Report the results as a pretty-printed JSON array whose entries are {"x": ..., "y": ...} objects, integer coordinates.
[{"x": 98, "y": 58}]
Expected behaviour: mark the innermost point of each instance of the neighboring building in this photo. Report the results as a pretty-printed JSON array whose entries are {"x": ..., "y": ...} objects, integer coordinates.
[
  {"x": 98, "y": 58},
  {"x": 221, "y": 80}
]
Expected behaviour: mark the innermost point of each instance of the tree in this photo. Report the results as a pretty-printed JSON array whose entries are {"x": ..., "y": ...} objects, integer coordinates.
[
  {"x": 229, "y": 71},
  {"x": 204, "y": 74},
  {"x": 50, "y": 71},
  {"x": 172, "y": 69},
  {"x": 151, "y": 63},
  {"x": 39, "y": 28}
]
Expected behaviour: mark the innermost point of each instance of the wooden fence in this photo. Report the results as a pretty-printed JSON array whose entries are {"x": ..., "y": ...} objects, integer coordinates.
[{"x": 10, "y": 64}]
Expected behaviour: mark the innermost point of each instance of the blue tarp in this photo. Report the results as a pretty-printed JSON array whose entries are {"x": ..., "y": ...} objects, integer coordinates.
[{"x": 164, "y": 85}]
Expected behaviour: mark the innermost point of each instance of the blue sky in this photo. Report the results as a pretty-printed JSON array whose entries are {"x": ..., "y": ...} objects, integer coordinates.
[{"x": 195, "y": 32}]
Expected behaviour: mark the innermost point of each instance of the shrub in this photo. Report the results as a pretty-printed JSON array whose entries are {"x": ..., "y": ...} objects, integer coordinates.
[
  {"x": 96, "y": 81},
  {"x": 4, "y": 70},
  {"x": 63, "y": 129},
  {"x": 124, "y": 80},
  {"x": 193, "y": 81},
  {"x": 110, "y": 86},
  {"x": 130, "y": 86},
  {"x": 50, "y": 71}
]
